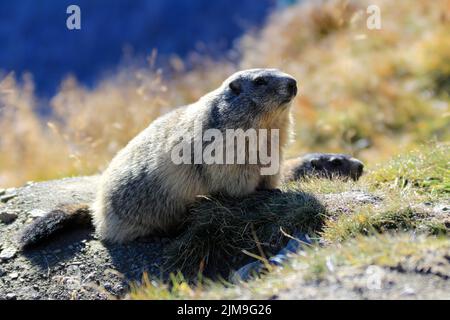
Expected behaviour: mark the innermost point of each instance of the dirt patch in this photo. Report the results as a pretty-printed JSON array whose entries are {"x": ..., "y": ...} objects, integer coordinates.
[{"x": 74, "y": 265}]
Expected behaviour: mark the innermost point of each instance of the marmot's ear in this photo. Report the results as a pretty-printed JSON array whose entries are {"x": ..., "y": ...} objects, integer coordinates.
[
  {"x": 335, "y": 161},
  {"x": 236, "y": 86}
]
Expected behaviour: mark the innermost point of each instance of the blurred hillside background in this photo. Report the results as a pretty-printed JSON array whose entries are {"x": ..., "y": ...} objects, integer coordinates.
[
  {"x": 34, "y": 38},
  {"x": 69, "y": 100}
]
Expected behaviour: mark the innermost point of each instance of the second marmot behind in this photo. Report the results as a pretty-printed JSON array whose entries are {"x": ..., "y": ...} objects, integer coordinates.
[{"x": 322, "y": 165}]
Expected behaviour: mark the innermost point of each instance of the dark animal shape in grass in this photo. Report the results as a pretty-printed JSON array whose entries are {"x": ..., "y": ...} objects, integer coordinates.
[{"x": 322, "y": 165}]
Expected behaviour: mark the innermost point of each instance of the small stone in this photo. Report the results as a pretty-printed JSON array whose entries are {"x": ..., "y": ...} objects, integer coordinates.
[
  {"x": 7, "y": 217},
  {"x": 107, "y": 286},
  {"x": 35, "y": 295},
  {"x": 5, "y": 198},
  {"x": 56, "y": 251},
  {"x": 119, "y": 288},
  {"x": 13, "y": 275},
  {"x": 7, "y": 254},
  {"x": 36, "y": 213},
  {"x": 408, "y": 291},
  {"x": 8, "y": 195},
  {"x": 11, "y": 296},
  {"x": 2, "y": 192}
]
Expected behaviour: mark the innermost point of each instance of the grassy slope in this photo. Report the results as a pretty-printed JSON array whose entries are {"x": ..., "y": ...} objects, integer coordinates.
[{"x": 407, "y": 232}]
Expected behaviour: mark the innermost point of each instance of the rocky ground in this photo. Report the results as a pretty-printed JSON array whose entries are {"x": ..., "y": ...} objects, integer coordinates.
[
  {"x": 428, "y": 280},
  {"x": 76, "y": 265},
  {"x": 73, "y": 266}
]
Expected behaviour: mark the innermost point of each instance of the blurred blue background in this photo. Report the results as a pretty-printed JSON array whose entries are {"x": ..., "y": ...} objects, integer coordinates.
[{"x": 34, "y": 37}]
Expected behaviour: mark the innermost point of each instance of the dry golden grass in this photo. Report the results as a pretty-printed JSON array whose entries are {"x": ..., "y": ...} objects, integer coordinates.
[
  {"x": 86, "y": 129},
  {"x": 367, "y": 92},
  {"x": 373, "y": 93}
]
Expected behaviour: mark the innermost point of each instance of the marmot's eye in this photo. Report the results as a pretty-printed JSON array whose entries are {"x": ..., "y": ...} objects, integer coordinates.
[
  {"x": 260, "y": 81},
  {"x": 336, "y": 161}
]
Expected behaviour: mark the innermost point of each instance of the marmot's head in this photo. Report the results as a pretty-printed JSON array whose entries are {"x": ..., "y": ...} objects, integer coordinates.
[
  {"x": 258, "y": 91},
  {"x": 331, "y": 165}
]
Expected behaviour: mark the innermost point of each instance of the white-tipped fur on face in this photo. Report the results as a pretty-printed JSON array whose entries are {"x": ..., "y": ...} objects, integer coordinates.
[{"x": 143, "y": 192}]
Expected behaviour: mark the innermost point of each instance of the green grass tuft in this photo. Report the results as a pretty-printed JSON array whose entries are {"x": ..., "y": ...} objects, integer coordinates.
[{"x": 426, "y": 170}]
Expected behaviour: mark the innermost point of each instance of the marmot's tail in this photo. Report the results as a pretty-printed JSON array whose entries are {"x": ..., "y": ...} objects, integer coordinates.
[{"x": 44, "y": 227}]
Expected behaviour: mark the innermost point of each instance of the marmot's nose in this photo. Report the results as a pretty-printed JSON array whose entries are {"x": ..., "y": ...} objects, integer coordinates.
[
  {"x": 292, "y": 87},
  {"x": 358, "y": 168}
]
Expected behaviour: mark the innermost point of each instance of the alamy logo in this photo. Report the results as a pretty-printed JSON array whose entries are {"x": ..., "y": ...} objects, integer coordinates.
[
  {"x": 374, "y": 20},
  {"x": 375, "y": 276},
  {"x": 73, "y": 21},
  {"x": 233, "y": 146}
]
